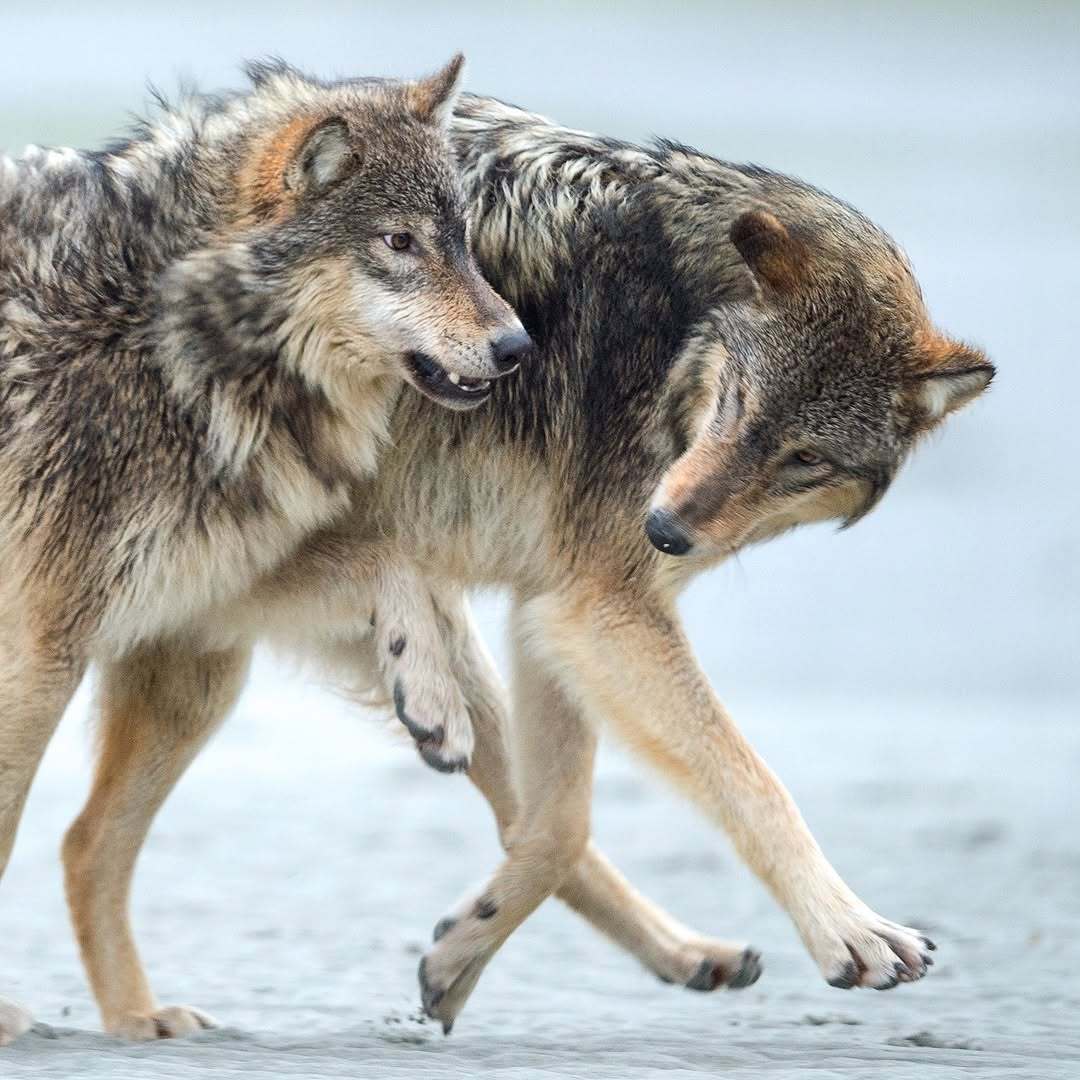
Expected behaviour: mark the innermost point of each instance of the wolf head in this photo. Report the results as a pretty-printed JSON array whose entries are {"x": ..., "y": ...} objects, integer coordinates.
[
  {"x": 344, "y": 253},
  {"x": 800, "y": 402}
]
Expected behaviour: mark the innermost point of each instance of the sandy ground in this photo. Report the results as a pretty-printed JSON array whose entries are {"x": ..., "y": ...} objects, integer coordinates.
[
  {"x": 293, "y": 879},
  {"x": 291, "y": 882}
]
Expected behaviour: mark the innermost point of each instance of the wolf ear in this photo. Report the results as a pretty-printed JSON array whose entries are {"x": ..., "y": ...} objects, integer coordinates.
[
  {"x": 776, "y": 258},
  {"x": 324, "y": 157},
  {"x": 957, "y": 377},
  {"x": 433, "y": 98}
]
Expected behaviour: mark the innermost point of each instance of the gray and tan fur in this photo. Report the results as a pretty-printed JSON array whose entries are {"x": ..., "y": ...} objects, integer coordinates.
[
  {"x": 723, "y": 353},
  {"x": 203, "y": 333}
]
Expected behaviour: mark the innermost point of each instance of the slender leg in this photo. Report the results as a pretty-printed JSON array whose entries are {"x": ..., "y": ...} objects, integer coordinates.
[
  {"x": 628, "y": 661},
  {"x": 553, "y": 776},
  {"x": 35, "y": 686},
  {"x": 159, "y": 707},
  {"x": 593, "y": 888}
]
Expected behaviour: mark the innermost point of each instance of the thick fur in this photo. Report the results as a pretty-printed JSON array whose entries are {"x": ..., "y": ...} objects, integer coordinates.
[
  {"x": 700, "y": 326},
  {"x": 203, "y": 333}
]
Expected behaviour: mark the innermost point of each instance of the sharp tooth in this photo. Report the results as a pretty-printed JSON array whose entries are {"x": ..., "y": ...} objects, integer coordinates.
[
  {"x": 485, "y": 384},
  {"x": 455, "y": 378}
]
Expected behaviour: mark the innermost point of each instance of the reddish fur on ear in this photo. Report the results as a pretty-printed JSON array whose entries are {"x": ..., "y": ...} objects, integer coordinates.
[
  {"x": 433, "y": 98},
  {"x": 269, "y": 180},
  {"x": 948, "y": 375},
  {"x": 776, "y": 258}
]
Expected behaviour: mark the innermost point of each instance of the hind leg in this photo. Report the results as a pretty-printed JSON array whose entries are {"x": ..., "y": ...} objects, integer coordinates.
[
  {"x": 159, "y": 707},
  {"x": 35, "y": 686}
]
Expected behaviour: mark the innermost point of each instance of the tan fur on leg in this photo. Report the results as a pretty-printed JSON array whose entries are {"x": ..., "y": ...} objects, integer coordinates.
[
  {"x": 159, "y": 706},
  {"x": 630, "y": 662},
  {"x": 36, "y": 684},
  {"x": 554, "y": 779}
]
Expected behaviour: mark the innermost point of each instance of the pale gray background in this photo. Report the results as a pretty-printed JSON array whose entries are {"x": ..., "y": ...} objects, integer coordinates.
[{"x": 915, "y": 680}]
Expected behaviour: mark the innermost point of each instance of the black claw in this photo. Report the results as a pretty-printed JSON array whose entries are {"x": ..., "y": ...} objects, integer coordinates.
[
  {"x": 486, "y": 909},
  {"x": 429, "y": 751},
  {"x": 848, "y": 978},
  {"x": 429, "y": 997},
  {"x": 749, "y": 970},
  {"x": 443, "y": 927},
  {"x": 447, "y": 1026},
  {"x": 929, "y": 944},
  {"x": 397, "y": 645},
  {"x": 709, "y": 974},
  {"x": 420, "y": 734},
  {"x": 888, "y": 985},
  {"x": 704, "y": 979}
]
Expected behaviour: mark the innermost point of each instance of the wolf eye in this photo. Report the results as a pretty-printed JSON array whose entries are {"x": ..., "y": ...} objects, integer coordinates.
[
  {"x": 399, "y": 241},
  {"x": 806, "y": 458}
]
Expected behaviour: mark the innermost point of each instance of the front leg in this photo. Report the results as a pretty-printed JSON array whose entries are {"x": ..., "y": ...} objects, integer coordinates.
[
  {"x": 544, "y": 822},
  {"x": 349, "y": 578},
  {"x": 416, "y": 668},
  {"x": 627, "y": 660},
  {"x": 548, "y": 727}
]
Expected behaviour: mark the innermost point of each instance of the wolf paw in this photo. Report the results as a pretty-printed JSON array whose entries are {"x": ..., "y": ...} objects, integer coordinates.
[
  {"x": 463, "y": 944},
  {"x": 726, "y": 967},
  {"x": 870, "y": 951},
  {"x": 436, "y": 717},
  {"x": 171, "y": 1022},
  {"x": 14, "y": 1021}
]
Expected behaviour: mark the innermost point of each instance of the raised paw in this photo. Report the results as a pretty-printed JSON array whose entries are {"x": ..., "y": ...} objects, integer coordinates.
[
  {"x": 438, "y": 722},
  {"x": 171, "y": 1022},
  {"x": 732, "y": 971},
  {"x": 873, "y": 952},
  {"x": 14, "y": 1021}
]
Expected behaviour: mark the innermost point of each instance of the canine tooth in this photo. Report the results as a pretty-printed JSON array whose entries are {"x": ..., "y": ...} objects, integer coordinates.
[{"x": 455, "y": 378}]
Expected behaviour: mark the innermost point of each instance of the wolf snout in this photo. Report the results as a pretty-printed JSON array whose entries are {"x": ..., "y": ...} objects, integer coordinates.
[
  {"x": 667, "y": 533},
  {"x": 509, "y": 348}
]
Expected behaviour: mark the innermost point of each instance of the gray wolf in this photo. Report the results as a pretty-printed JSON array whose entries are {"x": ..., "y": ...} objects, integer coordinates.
[
  {"x": 203, "y": 333},
  {"x": 723, "y": 353}
]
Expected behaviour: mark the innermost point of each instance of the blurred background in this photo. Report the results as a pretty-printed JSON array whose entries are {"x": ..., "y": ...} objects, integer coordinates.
[
  {"x": 918, "y": 675},
  {"x": 955, "y": 126}
]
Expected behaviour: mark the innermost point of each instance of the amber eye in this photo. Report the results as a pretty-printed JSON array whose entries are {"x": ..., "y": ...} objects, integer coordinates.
[
  {"x": 806, "y": 457},
  {"x": 399, "y": 241}
]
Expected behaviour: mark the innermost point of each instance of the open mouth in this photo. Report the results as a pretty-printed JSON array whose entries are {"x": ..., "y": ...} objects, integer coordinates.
[{"x": 447, "y": 387}]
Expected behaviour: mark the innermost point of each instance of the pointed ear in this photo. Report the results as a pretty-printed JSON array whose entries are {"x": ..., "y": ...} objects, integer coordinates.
[
  {"x": 776, "y": 258},
  {"x": 433, "y": 98},
  {"x": 324, "y": 157},
  {"x": 958, "y": 376}
]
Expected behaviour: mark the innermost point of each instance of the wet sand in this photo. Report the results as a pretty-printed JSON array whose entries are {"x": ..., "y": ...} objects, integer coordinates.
[{"x": 293, "y": 878}]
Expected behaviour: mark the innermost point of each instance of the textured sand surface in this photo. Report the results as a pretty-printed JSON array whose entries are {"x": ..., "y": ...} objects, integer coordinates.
[{"x": 292, "y": 880}]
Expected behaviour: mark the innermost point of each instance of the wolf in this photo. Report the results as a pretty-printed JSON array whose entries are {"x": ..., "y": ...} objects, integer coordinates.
[
  {"x": 723, "y": 353},
  {"x": 203, "y": 332}
]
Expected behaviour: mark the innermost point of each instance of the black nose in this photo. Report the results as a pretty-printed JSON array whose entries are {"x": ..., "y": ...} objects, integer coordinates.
[
  {"x": 663, "y": 529},
  {"x": 510, "y": 349}
]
